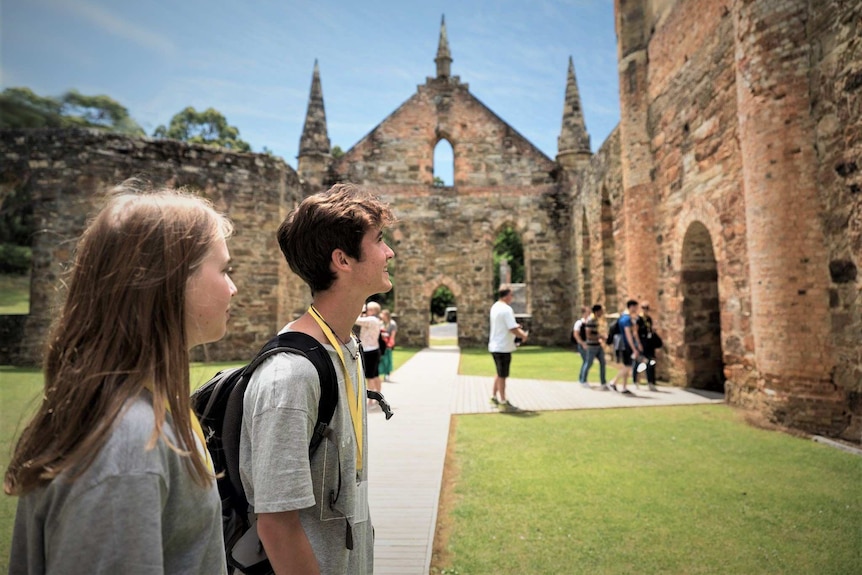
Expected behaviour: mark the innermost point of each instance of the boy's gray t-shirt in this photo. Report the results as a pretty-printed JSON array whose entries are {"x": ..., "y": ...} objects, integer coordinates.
[
  {"x": 133, "y": 511},
  {"x": 279, "y": 412}
]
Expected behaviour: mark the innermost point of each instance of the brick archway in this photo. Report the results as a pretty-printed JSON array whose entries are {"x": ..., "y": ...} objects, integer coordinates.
[{"x": 702, "y": 354}]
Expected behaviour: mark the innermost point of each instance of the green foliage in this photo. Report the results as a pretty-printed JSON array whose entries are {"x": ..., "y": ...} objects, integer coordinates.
[
  {"x": 207, "y": 127},
  {"x": 99, "y": 111},
  {"x": 684, "y": 489},
  {"x": 508, "y": 246},
  {"x": 440, "y": 300},
  {"x": 16, "y": 217},
  {"x": 14, "y": 259},
  {"x": 22, "y": 108},
  {"x": 336, "y": 152},
  {"x": 438, "y": 182}
]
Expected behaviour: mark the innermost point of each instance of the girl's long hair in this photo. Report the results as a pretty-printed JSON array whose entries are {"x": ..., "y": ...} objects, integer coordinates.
[{"x": 122, "y": 329}]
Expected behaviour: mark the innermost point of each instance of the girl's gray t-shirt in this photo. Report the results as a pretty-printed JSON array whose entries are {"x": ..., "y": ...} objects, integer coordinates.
[{"x": 134, "y": 511}]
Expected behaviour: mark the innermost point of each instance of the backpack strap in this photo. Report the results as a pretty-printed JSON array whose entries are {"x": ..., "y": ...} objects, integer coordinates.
[
  {"x": 313, "y": 350},
  {"x": 289, "y": 342}
]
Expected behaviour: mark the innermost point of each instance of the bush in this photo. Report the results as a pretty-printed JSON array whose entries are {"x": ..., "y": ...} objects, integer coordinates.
[{"x": 14, "y": 259}]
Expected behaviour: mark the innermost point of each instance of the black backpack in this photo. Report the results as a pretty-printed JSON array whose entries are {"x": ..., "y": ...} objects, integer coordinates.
[
  {"x": 218, "y": 404},
  {"x": 613, "y": 329}
]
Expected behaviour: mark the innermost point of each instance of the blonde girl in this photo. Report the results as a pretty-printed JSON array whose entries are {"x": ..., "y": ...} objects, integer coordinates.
[{"x": 112, "y": 473}]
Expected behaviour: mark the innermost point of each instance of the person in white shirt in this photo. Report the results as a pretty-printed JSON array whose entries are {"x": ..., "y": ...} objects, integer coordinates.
[{"x": 501, "y": 344}]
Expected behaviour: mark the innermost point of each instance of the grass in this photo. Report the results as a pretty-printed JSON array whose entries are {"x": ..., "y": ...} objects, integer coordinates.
[
  {"x": 534, "y": 362},
  {"x": 20, "y": 392},
  {"x": 14, "y": 294},
  {"x": 689, "y": 489}
]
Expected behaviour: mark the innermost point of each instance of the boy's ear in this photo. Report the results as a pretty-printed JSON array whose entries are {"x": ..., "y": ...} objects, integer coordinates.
[{"x": 340, "y": 260}]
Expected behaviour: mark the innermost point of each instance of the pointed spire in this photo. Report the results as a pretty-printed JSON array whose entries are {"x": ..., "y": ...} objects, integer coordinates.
[
  {"x": 314, "y": 139},
  {"x": 444, "y": 57},
  {"x": 574, "y": 141}
]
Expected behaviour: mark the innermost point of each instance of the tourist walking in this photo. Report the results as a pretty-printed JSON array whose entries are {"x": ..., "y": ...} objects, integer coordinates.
[
  {"x": 627, "y": 347},
  {"x": 390, "y": 329},
  {"x": 501, "y": 344},
  {"x": 651, "y": 341},
  {"x": 593, "y": 347}
]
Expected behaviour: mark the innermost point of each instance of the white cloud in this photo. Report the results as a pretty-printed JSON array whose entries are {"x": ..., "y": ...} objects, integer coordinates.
[{"x": 116, "y": 26}]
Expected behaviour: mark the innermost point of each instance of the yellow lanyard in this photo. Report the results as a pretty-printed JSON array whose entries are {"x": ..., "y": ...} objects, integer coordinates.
[
  {"x": 196, "y": 428},
  {"x": 354, "y": 399}
]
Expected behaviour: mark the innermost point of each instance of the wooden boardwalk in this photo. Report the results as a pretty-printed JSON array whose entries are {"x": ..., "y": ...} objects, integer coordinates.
[{"x": 407, "y": 453}]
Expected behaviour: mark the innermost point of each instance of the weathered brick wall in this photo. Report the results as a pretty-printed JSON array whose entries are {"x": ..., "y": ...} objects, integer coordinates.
[
  {"x": 836, "y": 84},
  {"x": 598, "y": 236},
  {"x": 65, "y": 172},
  {"x": 445, "y": 235},
  {"x": 752, "y": 113}
]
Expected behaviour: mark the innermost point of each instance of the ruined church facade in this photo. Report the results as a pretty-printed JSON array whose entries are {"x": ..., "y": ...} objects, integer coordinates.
[{"x": 728, "y": 197}]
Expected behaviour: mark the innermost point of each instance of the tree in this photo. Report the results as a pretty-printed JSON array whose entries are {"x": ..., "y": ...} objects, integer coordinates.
[
  {"x": 23, "y": 108},
  {"x": 207, "y": 127},
  {"x": 99, "y": 112},
  {"x": 440, "y": 300},
  {"x": 337, "y": 152},
  {"x": 508, "y": 246}
]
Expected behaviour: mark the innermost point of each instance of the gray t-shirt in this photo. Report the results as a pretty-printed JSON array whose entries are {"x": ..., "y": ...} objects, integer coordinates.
[
  {"x": 134, "y": 511},
  {"x": 279, "y": 411}
]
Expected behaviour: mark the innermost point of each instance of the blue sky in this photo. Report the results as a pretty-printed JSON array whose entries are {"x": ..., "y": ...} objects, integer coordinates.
[{"x": 253, "y": 60}]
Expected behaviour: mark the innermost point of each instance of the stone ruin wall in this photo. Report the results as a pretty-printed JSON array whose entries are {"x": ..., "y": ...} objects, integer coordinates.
[
  {"x": 662, "y": 212},
  {"x": 836, "y": 98},
  {"x": 66, "y": 172},
  {"x": 747, "y": 158},
  {"x": 445, "y": 235}
]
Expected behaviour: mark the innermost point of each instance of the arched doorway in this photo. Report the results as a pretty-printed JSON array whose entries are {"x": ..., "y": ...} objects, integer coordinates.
[
  {"x": 443, "y": 329},
  {"x": 704, "y": 365}
]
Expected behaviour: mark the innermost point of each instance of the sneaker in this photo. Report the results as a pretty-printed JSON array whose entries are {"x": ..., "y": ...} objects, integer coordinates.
[
  {"x": 495, "y": 401},
  {"x": 627, "y": 392},
  {"x": 605, "y": 387},
  {"x": 507, "y": 406},
  {"x": 652, "y": 387},
  {"x": 613, "y": 387},
  {"x": 585, "y": 385}
]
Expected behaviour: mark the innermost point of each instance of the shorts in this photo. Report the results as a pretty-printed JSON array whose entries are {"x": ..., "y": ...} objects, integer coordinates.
[
  {"x": 371, "y": 363},
  {"x": 502, "y": 361},
  {"x": 623, "y": 356}
]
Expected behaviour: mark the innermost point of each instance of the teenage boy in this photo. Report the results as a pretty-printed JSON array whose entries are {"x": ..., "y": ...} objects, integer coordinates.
[
  {"x": 630, "y": 348},
  {"x": 313, "y": 516}
]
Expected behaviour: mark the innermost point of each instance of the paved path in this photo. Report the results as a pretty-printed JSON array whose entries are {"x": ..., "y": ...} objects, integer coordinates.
[{"x": 406, "y": 453}]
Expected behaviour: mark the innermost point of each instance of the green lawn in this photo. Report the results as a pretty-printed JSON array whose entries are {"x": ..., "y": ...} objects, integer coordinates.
[
  {"x": 534, "y": 362},
  {"x": 20, "y": 391},
  {"x": 688, "y": 489},
  {"x": 14, "y": 294}
]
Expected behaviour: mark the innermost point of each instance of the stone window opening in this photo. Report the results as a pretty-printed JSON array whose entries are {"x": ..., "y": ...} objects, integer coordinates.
[{"x": 444, "y": 164}]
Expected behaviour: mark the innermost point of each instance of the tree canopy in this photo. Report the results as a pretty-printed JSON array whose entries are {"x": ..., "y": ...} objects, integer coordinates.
[
  {"x": 508, "y": 246},
  {"x": 99, "y": 111},
  {"x": 22, "y": 108},
  {"x": 206, "y": 127}
]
